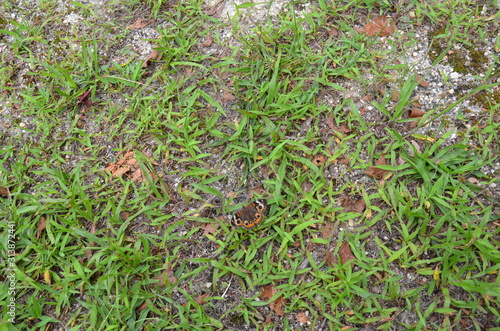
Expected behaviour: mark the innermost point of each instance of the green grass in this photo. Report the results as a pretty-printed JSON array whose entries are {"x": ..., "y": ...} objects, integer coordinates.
[{"x": 99, "y": 252}]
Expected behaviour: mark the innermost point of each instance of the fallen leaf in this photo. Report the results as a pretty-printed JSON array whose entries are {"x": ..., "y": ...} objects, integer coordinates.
[
  {"x": 137, "y": 176},
  {"x": 395, "y": 96},
  {"x": 227, "y": 96},
  {"x": 388, "y": 319},
  {"x": 375, "y": 172},
  {"x": 355, "y": 205},
  {"x": 128, "y": 164},
  {"x": 302, "y": 317},
  {"x": 327, "y": 230},
  {"x": 345, "y": 253},
  {"x": 306, "y": 186},
  {"x": 416, "y": 113},
  {"x": 201, "y": 299},
  {"x": 422, "y": 82},
  {"x": 167, "y": 277},
  {"x": 88, "y": 251},
  {"x": 255, "y": 190},
  {"x": 41, "y": 226},
  {"x": 4, "y": 192},
  {"x": 124, "y": 215},
  {"x": 319, "y": 160},
  {"x": 139, "y": 24},
  {"x": 330, "y": 259},
  {"x": 276, "y": 306},
  {"x": 84, "y": 100},
  {"x": 380, "y": 26},
  {"x": 367, "y": 97},
  {"x": 154, "y": 55},
  {"x": 208, "y": 41},
  {"x": 341, "y": 131},
  {"x": 333, "y": 32},
  {"x": 267, "y": 293},
  {"x": 143, "y": 306},
  {"x": 208, "y": 229},
  {"x": 118, "y": 171},
  {"x": 188, "y": 71}
]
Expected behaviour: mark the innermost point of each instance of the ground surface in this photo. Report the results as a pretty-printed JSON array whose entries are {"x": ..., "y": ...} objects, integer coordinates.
[{"x": 131, "y": 131}]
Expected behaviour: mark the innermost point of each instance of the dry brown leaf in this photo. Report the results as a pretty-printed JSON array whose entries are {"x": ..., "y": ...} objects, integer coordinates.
[
  {"x": 137, "y": 176},
  {"x": 117, "y": 171},
  {"x": 167, "y": 277},
  {"x": 367, "y": 97},
  {"x": 416, "y": 113},
  {"x": 188, "y": 71},
  {"x": 388, "y": 319},
  {"x": 330, "y": 259},
  {"x": 375, "y": 172},
  {"x": 201, "y": 299},
  {"x": 355, "y": 205},
  {"x": 84, "y": 100},
  {"x": 216, "y": 9},
  {"x": 267, "y": 293},
  {"x": 208, "y": 41},
  {"x": 346, "y": 253},
  {"x": 41, "y": 226},
  {"x": 380, "y": 26},
  {"x": 362, "y": 111},
  {"x": 395, "y": 96},
  {"x": 422, "y": 82},
  {"x": 88, "y": 253},
  {"x": 129, "y": 164},
  {"x": 4, "y": 192},
  {"x": 139, "y": 24},
  {"x": 333, "y": 32},
  {"x": 227, "y": 96},
  {"x": 319, "y": 160},
  {"x": 302, "y": 317},
  {"x": 143, "y": 306},
  {"x": 276, "y": 306},
  {"x": 306, "y": 186},
  {"x": 329, "y": 121},
  {"x": 343, "y": 129},
  {"x": 413, "y": 124},
  {"x": 154, "y": 55},
  {"x": 208, "y": 229},
  {"x": 327, "y": 230},
  {"x": 255, "y": 190}
]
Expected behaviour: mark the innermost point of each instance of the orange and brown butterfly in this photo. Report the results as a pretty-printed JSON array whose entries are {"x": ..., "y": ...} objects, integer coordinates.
[{"x": 250, "y": 215}]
